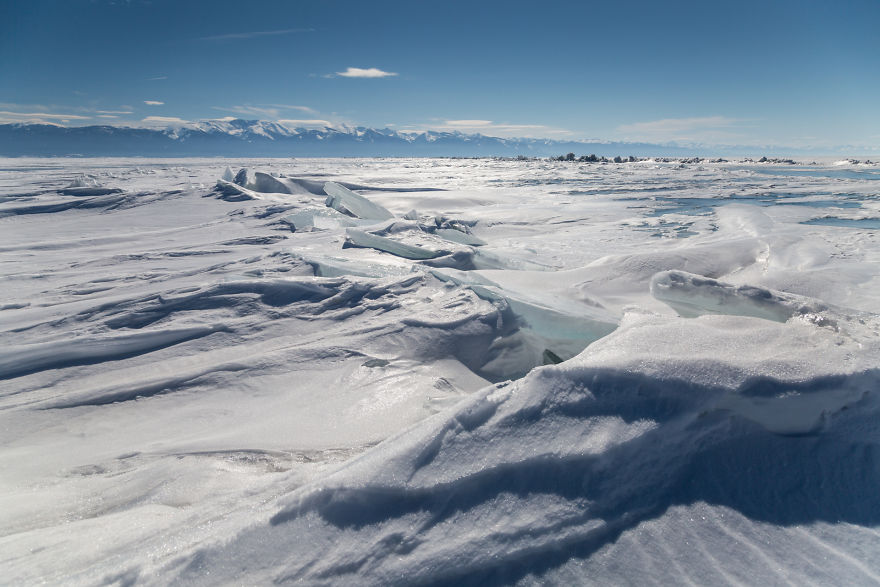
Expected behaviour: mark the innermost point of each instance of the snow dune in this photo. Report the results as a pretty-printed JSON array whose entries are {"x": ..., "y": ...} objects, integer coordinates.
[{"x": 438, "y": 372}]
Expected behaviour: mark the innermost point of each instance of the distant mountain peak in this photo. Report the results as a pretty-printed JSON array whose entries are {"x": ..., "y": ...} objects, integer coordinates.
[{"x": 261, "y": 138}]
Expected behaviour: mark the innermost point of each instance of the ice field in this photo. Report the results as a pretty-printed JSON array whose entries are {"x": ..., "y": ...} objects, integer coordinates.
[{"x": 439, "y": 371}]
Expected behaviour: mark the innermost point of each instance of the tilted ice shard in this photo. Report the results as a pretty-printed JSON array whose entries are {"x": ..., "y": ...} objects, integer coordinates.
[
  {"x": 241, "y": 178},
  {"x": 360, "y": 238},
  {"x": 263, "y": 182},
  {"x": 459, "y": 237},
  {"x": 320, "y": 219},
  {"x": 694, "y": 295},
  {"x": 346, "y": 201},
  {"x": 232, "y": 192}
]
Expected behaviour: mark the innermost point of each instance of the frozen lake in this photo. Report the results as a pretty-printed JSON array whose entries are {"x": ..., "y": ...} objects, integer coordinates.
[{"x": 469, "y": 371}]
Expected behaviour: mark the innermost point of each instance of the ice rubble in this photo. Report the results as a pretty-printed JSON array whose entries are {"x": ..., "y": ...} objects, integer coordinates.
[{"x": 87, "y": 186}]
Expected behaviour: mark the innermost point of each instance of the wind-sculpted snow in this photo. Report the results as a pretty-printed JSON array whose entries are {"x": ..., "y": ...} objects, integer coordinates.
[
  {"x": 438, "y": 372},
  {"x": 18, "y": 361},
  {"x": 555, "y": 476}
]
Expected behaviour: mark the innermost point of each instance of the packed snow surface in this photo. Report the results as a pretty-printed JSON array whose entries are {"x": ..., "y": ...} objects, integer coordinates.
[{"x": 382, "y": 372}]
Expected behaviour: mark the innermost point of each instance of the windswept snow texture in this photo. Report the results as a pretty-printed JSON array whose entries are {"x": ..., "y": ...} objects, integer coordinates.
[{"x": 333, "y": 372}]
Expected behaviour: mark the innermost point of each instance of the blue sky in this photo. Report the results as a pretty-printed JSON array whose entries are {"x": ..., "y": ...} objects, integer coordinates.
[{"x": 796, "y": 73}]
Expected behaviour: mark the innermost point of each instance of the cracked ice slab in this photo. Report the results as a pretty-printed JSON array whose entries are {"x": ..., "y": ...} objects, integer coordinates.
[{"x": 346, "y": 201}]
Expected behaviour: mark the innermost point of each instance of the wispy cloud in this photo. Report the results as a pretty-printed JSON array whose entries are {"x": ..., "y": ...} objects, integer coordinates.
[
  {"x": 293, "y": 107},
  {"x": 468, "y": 123},
  {"x": 254, "y": 34},
  {"x": 163, "y": 121},
  {"x": 491, "y": 128},
  {"x": 265, "y": 111},
  {"x": 697, "y": 129},
  {"x": 312, "y": 123},
  {"x": 371, "y": 72},
  {"x": 153, "y": 103},
  {"x": 114, "y": 111},
  {"x": 157, "y": 78},
  {"x": 8, "y": 116}
]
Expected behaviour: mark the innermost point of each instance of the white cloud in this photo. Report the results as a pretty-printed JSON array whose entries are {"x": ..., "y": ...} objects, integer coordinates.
[
  {"x": 107, "y": 116},
  {"x": 113, "y": 111},
  {"x": 153, "y": 103},
  {"x": 253, "y": 35},
  {"x": 291, "y": 123},
  {"x": 697, "y": 129},
  {"x": 157, "y": 78},
  {"x": 358, "y": 72}
]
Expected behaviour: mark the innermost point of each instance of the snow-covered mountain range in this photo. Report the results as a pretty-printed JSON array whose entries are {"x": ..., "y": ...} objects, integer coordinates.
[{"x": 267, "y": 139}]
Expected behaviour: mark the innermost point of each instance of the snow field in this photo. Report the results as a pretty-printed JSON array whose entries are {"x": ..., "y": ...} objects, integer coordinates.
[{"x": 211, "y": 375}]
